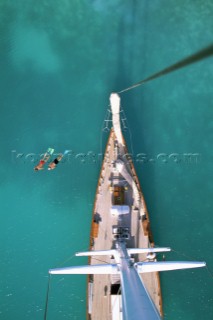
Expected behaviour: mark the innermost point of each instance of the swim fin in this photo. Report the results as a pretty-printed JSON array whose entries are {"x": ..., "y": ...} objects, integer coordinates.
[
  {"x": 65, "y": 152},
  {"x": 50, "y": 151}
]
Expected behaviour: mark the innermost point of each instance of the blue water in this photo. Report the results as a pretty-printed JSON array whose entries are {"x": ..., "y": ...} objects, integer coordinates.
[{"x": 59, "y": 61}]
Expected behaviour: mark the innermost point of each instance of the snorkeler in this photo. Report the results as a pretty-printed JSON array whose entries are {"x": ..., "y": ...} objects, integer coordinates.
[
  {"x": 45, "y": 158},
  {"x": 54, "y": 163}
]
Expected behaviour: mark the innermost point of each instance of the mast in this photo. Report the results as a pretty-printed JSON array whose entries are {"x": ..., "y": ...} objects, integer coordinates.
[
  {"x": 136, "y": 301},
  {"x": 137, "y": 304}
]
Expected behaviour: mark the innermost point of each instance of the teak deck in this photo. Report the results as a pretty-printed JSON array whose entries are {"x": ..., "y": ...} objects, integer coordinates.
[{"x": 99, "y": 286}]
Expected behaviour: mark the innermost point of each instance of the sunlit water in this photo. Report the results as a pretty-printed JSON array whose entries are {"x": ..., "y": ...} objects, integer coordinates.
[{"x": 59, "y": 61}]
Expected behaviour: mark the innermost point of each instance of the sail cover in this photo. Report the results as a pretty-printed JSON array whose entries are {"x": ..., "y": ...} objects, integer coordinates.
[{"x": 118, "y": 210}]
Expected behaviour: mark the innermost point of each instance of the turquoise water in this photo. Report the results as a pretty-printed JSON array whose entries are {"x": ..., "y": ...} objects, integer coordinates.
[{"x": 59, "y": 62}]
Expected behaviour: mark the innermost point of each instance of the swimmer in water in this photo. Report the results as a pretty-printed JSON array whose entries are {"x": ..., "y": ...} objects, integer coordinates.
[
  {"x": 54, "y": 163},
  {"x": 42, "y": 162}
]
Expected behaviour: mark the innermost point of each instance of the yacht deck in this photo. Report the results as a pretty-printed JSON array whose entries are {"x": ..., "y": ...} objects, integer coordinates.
[{"x": 99, "y": 297}]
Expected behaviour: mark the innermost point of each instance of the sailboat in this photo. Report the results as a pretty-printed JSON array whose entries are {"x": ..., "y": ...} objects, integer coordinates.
[{"x": 125, "y": 284}]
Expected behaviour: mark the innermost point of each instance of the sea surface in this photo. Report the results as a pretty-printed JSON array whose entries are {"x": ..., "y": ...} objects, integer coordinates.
[{"x": 59, "y": 62}]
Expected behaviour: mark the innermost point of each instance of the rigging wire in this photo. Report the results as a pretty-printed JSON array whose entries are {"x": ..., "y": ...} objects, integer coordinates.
[
  {"x": 104, "y": 128},
  {"x": 47, "y": 298},
  {"x": 183, "y": 254},
  {"x": 71, "y": 257},
  {"x": 200, "y": 55},
  {"x": 129, "y": 131},
  {"x": 48, "y": 284},
  {"x": 210, "y": 272},
  {"x": 68, "y": 259},
  {"x": 99, "y": 260}
]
